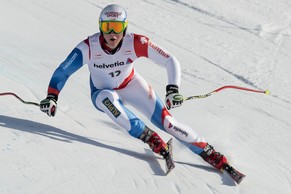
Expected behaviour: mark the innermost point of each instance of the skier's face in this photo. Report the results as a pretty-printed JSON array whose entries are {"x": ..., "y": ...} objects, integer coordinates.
[{"x": 113, "y": 39}]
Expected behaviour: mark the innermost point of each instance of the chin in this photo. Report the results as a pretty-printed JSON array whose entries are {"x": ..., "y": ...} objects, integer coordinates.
[{"x": 113, "y": 45}]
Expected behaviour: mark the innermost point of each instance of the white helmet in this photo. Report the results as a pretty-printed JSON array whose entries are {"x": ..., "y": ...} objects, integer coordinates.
[{"x": 113, "y": 12}]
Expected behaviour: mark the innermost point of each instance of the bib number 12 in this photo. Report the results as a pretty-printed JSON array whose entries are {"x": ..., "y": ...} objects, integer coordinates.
[{"x": 115, "y": 73}]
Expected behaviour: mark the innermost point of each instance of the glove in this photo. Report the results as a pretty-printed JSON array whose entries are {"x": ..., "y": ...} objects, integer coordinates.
[
  {"x": 49, "y": 105},
  {"x": 173, "y": 98}
]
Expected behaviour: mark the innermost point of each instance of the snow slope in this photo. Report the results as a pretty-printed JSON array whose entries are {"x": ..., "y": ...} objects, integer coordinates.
[{"x": 227, "y": 42}]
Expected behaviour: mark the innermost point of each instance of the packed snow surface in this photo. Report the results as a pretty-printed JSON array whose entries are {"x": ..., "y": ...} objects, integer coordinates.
[{"x": 226, "y": 42}]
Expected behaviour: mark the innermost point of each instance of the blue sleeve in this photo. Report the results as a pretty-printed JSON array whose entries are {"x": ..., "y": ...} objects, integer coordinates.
[{"x": 73, "y": 62}]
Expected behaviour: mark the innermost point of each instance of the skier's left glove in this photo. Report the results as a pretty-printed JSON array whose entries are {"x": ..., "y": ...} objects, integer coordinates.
[
  {"x": 173, "y": 98},
  {"x": 49, "y": 105}
]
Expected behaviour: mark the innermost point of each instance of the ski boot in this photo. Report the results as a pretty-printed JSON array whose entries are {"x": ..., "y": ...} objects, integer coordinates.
[
  {"x": 214, "y": 158},
  {"x": 220, "y": 162},
  {"x": 155, "y": 142},
  {"x": 159, "y": 146}
]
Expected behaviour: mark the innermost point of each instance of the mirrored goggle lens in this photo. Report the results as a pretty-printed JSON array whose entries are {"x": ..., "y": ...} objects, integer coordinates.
[{"x": 107, "y": 27}]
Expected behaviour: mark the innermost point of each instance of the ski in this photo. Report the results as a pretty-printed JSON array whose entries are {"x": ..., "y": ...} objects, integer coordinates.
[
  {"x": 233, "y": 173},
  {"x": 170, "y": 165}
]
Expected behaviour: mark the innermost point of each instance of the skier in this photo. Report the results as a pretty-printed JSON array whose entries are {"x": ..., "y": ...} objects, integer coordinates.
[{"x": 114, "y": 82}]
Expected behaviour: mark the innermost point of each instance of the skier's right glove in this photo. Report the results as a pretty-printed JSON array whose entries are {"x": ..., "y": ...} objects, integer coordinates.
[
  {"x": 49, "y": 105},
  {"x": 173, "y": 98}
]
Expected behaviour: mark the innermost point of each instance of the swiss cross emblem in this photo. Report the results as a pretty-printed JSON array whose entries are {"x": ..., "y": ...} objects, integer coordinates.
[{"x": 143, "y": 40}]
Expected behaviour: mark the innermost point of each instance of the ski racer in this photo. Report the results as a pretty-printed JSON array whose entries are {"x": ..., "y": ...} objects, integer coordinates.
[{"x": 114, "y": 83}]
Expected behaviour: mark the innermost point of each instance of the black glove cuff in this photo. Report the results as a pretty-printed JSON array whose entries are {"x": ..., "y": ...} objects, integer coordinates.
[
  {"x": 52, "y": 97},
  {"x": 171, "y": 88}
]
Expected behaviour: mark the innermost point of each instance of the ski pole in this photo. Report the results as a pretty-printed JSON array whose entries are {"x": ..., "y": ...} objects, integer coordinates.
[
  {"x": 25, "y": 102},
  {"x": 225, "y": 87}
]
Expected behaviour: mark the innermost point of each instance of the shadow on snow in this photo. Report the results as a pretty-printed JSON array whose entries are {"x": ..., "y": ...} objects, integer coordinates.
[{"x": 61, "y": 135}]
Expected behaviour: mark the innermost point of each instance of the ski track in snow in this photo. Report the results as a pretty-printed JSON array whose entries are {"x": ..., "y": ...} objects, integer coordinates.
[
  {"x": 268, "y": 30},
  {"x": 220, "y": 18}
]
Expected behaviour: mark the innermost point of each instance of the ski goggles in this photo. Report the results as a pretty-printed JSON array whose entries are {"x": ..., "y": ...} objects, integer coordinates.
[{"x": 116, "y": 26}]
